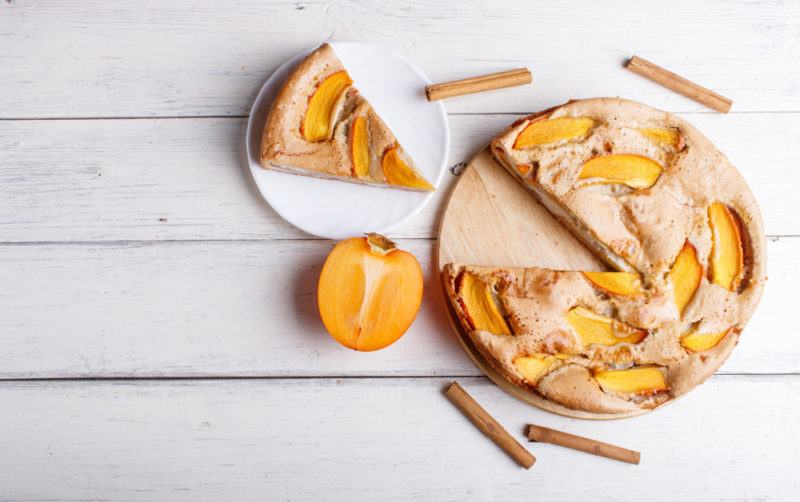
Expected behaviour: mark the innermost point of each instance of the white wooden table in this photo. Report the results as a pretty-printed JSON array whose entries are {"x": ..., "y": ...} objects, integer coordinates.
[{"x": 158, "y": 330}]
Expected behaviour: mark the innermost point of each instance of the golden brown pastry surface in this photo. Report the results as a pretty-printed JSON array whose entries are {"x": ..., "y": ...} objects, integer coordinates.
[{"x": 650, "y": 195}]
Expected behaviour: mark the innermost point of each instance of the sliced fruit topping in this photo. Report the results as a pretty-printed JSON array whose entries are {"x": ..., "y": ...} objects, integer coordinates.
[
  {"x": 369, "y": 292},
  {"x": 616, "y": 283},
  {"x": 536, "y": 366},
  {"x": 665, "y": 136},
  {"x": 698, "y": 342},
  {"x": 317, "y": 124},
  {"x": 727, "y": 255},
  {"x": 480, "y": 306},
  {"x": 634, "y": 171},
  {"x": 398, "y": 172},
  {"x": 524, "y": 169},
  {"x": 596, "y": 329},
  {"x": 359, "y": 147},
  {"x": 685, "y": 276},
  {"x": 549, "y": 131},
  {"x": 642, "y": 381}
]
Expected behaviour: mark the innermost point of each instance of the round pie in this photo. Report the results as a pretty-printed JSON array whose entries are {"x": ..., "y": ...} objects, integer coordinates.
[{"x": 679, "y": 229}]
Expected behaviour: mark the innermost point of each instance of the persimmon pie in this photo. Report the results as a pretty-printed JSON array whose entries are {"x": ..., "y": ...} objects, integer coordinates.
[
  {"x": 320, "y": 125},
  {"x": 653, "y": 198}
]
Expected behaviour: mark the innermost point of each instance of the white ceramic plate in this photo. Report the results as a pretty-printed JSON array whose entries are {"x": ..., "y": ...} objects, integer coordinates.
[{"x": 337, "y": 209}]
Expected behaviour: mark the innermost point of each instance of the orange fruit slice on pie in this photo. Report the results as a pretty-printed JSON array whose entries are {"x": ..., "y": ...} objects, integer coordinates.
[{"x": 320, "y": 125}]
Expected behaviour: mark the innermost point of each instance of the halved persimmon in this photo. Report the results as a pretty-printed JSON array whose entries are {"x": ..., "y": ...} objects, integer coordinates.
[{"x": 369, "y": 292}]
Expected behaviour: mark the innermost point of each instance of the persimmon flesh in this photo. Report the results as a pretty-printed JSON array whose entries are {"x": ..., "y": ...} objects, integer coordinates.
[
  {"x": 322, "y": 106},
  {"x": 666, "y": 136},
  {"x": 594, "y": 329},
  {"x": 727, "y": 255},
  {"x": 642, "y": 380},
  {"x": 359, "y": 147},
  {"x": 369, "y": 292},
  {"x": 634, "y": 171},
  {"x": 685, "y": 274},
  {"x": 699, "y": 342},
  {"x": 397, "y": 172},
  {"x": 616, "y": 283},
  {"x": 542, "y": 132}
]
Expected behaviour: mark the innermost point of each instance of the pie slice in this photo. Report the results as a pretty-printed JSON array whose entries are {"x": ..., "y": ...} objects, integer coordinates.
[
  {"x": 320, "y": 125},
  {"x": 579, "y": 338}
]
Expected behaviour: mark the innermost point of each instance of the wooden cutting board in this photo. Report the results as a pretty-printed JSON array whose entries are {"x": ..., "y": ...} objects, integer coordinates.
[{"x": 490, "y": 219}]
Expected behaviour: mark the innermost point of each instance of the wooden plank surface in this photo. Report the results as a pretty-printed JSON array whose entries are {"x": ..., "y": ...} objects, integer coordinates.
[
  {"x": 249, "y": 308},
  {"x": 134, "y": 245},
  {"x": 90, "y": 180},
  {"x": 387, "y": 439},
  {"x": 85, "y": 58}
]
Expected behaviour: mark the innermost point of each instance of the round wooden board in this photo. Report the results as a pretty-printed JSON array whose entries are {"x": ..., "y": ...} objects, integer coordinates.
[{"x": 490, "y": 219}]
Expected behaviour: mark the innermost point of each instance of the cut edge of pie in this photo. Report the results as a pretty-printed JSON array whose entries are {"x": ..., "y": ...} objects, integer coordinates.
[
  {"x": 553, "y": 366},
  {"x": 568, "y": 219},
  {"x": 678, "y": 136}
]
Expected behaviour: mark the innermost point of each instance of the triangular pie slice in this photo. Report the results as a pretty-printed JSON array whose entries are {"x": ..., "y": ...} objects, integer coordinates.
[
  {"x": 321, "y": 126},
  {"x": 601, "y": 342}
]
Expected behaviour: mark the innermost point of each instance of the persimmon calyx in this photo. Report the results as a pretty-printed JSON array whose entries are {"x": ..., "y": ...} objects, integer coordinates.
[{"x": 380, "y": 244}]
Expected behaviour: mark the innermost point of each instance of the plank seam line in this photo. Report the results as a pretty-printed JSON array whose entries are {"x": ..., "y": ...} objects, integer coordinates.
[
  {"x": 119, "y": 242},
  {"x": 233, "y": 377},
  {"x": 125, "y": 242},
  {"x": 307, "y": 377},
  {"x": 452, "y": 114}
]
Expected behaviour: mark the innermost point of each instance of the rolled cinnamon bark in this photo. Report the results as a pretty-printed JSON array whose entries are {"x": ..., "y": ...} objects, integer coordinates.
[
  {"x": 510, "y": 78},
  {"x": 489, "y": 426},
  {"x": 679, "y": 84},
  {"x": 552, "y": 436}
]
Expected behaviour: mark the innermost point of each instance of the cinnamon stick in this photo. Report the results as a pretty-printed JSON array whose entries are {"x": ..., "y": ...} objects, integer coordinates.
[
  {"x": 489, "y": 426},
  {"x": 510, "y": 78},
  {"x": 679, "y": 84},
  {"x": 552, "y": 436}
]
